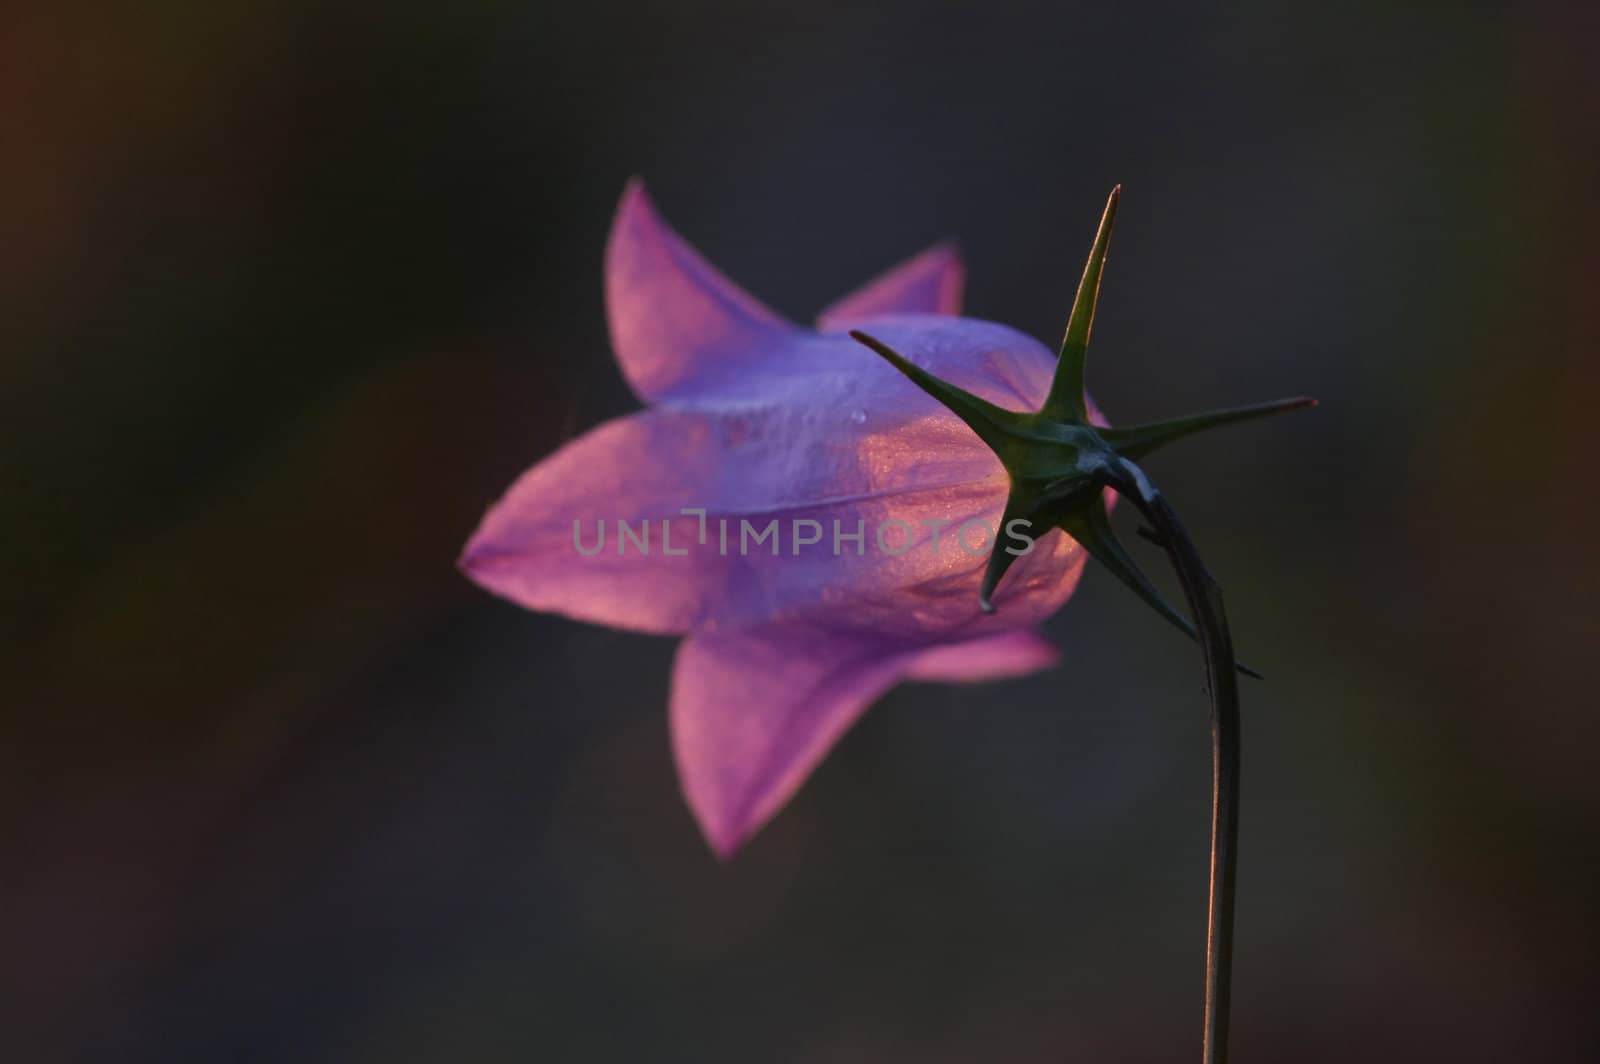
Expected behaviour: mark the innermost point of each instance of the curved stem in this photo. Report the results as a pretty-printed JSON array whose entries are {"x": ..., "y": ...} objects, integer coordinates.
[{"x": 1205, "y": 603}]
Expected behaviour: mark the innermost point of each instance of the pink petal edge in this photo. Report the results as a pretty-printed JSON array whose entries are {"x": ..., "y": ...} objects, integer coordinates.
[
  {"x": 755, "y": 710},
  {"x": 929, "y": 283},
  {"x": 673, "y": 316},
  {"x": 996, "y": 657}
]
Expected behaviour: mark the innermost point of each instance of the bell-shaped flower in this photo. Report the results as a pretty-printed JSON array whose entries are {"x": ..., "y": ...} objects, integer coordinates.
[{"x": 814, "y": 526}]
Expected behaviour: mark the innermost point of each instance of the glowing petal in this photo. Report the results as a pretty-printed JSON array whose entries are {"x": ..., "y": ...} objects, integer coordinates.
[
  {"x": 764, "y": 478},
  {"x": 674, "y": 318},
  {"x": 754, "y": 710},
  {"x": 996, "y": 657},
  {"x": 638, "y": 469},
  {"x": 930, "y": 283}
]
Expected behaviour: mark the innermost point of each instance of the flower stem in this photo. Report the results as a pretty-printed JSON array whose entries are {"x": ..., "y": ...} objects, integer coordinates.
[{"x": 1222, "y": 683}]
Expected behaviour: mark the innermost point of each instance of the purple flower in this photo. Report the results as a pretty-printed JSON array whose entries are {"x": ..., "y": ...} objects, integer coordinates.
[
  {"x": 756, "y": 425},
  {"x": 816, "y": 526},
  {"x": 960, "y": 426}
]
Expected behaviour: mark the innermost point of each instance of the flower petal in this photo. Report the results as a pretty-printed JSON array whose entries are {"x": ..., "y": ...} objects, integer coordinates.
[
  {"x": 996, "y": 657},
  {"x": 830, "y": 373},
  {"x": 673, "y": 316},
  {"x": 930, "y": 283},
  {"x": 536, "y": 546},
  {"x": 754, "y": 710},
  {"x": 833, "y": 435},
  {"x": 766, "y": 546}
]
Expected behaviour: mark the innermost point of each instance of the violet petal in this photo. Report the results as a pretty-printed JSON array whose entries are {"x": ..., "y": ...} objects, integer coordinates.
[
  {"x": 930, "y": 283},
  {"x": 754, "y": 710}
]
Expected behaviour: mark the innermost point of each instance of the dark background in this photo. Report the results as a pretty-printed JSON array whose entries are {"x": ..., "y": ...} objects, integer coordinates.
[{"x": 290, "y": 293}]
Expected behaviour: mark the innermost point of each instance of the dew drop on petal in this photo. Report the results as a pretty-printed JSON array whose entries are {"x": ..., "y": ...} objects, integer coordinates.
[{"x": 858, "y": 416}]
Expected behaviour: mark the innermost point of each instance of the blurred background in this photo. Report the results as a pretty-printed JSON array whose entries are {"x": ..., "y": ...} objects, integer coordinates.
[{"x": 290, "y": 292}]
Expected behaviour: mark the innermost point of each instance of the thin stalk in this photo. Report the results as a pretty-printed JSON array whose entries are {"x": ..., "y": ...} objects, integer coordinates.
[{"x": 1216, "y": 643}]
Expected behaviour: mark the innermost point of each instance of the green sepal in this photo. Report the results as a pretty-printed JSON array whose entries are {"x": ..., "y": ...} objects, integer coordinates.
[
  {"x": 1091, "y": 527},
  {"x": 1000, "y": 558},
  {"x": 1066, "y": 398},
  {"x": 1136, "y": 441},
  {"x": 1060, "y": 464},
  {"x": 995, "y": 425}
]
